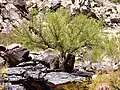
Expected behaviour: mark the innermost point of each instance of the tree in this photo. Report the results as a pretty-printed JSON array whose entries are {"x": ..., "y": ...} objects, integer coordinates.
[{"x": 58, "y": 30}]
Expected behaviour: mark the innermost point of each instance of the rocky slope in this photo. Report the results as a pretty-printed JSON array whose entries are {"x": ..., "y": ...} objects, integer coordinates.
[
  {"x": 12, "y": 12},
  {"x": 27, "y": 73}
]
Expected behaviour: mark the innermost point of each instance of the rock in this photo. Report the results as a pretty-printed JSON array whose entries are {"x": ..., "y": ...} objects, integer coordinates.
[
  {"x": 115, "y": 18},
  {"x": 16, "y": 10},
  {"x": 14, "y": 15},
  {"x": 66, "y": 3},
  {"x": 11, "y": 46},
  {"x": 4, "y": 1},
  {"x": 14, "y": 78},
  {"x": 13, "y": 12},
  {"x": 29, "y": 63},
  {"x": 2, "y": 61},
  {"x": 20, "y": 3},
  {"x": 73, "y": 9},
  {"x": 98, "y": 10},
  {"x": 33, "y": 74},
  {"x": 94, "y": 4},
  {"x": 54, "y": 4},
  {"x": 84, "y": 9},
  {"x": 16, "y": 71},
  {"x": 36, "y": 55},
  {"x": 105, "y": 67},
  {"x": 52, "y": 61},
  {"x": 5, "y": 13},
  {"x": 9, "y": 86},
  {"x": 58, "y": 78},
  {"x": 1, "y": 19},
  {"x": 2, "y": 48},
  {"x": 15, "y": 55},
  {"x": 21, "y": 74}
]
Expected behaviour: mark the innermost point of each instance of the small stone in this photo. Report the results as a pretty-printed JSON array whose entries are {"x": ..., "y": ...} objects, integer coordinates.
[
  {"x": 2, "y": 61},
  {"x": 4, "y": 1}
]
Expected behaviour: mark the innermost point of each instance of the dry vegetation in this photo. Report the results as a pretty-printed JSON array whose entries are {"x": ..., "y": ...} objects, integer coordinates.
[{"x": 110, "y": 81}]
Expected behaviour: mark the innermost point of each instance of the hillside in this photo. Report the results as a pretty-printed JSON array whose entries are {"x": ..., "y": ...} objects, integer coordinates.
[{"x": 59, "y": 44}]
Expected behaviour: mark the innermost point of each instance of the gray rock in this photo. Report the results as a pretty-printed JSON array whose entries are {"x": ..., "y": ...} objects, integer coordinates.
[
  {"x": 115, "y": 18},
  {"x": 84, "y": 9},
  {"x": 4, "y": 1},
  {"x": 98, "y": 10},
  {"x": 19, "y": 3},
  {"x": 16, "y": 70},
  {"x": 62, "y": 77},
  {"x": 105, "y": 65},
  {"x": 14, "y": 14},
  {"x": 14, "y": 78},
  {"x": 11, "y": 46},
  {"x": 53, "y": 4},
  {"x": 30, "y": 63},
  {"x": 5, "y": 13},
  {"x": 94, "y": 4},
  {"x": 2, "y": 61},
  {"x": 73, "y": 9},
  {"x": 9, "y": 86},
  {"x": 1, "y": 19}
]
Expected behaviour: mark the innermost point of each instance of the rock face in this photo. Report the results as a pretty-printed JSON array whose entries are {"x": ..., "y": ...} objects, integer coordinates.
[
  {"x": 27, "y": 73},
  {"x": 11, "y": 14},
  {"x": 103, "y": 10}
]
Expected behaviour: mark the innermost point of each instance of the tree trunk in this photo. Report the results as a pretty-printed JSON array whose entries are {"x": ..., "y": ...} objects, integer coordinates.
[{"x": 66, "y": 62}]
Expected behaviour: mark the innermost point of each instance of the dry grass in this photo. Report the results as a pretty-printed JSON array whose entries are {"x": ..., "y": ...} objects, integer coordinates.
[
  {"x": 2, "y": 70},
  {"x": 111, "y": 80}
]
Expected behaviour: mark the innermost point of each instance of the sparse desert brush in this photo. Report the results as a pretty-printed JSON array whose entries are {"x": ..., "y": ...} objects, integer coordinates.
[{"x": 111, "y": 81}]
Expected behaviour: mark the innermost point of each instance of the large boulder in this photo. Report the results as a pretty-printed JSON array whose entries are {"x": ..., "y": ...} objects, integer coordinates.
[{"x": 14, "y": 54}]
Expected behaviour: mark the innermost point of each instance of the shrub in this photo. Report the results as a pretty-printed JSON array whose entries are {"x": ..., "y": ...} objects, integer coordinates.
[{"x": 59, "y": 31}]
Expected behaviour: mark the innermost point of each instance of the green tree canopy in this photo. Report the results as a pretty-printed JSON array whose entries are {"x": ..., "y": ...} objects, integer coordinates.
[{"x": 62, "y": 32}]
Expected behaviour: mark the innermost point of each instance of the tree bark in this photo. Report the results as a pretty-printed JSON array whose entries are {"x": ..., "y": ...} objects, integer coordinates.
[{"x": 66, "y": 62}]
